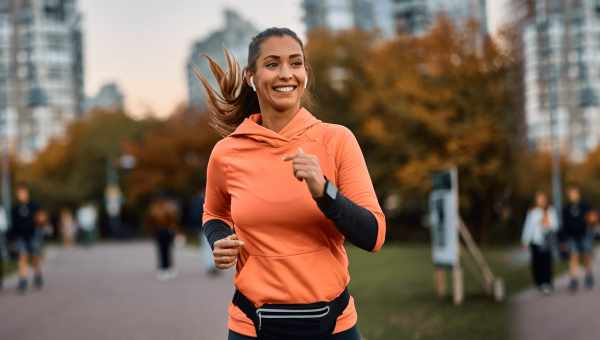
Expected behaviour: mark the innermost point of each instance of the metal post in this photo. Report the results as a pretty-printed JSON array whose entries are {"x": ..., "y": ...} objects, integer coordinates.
[
  {"x": 6, "y": 197},
  {"x": 555, "y": 143}
]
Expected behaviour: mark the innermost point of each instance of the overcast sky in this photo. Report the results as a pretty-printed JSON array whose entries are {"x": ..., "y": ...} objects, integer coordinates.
[{"x": 142, "y": 45}]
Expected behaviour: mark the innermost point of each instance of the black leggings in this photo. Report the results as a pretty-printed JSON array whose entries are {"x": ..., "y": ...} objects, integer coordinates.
[
  {"x": 541, "y": 265},
  {"x": 351, "y": 334},
  {"x": 164, "y": 242}
]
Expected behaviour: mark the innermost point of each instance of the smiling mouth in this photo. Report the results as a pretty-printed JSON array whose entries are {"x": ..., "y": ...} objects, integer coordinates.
[{"x": 284, "y": 89}]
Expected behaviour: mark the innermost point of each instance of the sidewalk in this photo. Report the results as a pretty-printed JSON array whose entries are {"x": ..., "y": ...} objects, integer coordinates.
[
  {"x": 560, "y": 316},
  {"x": 110, "y": 292}
]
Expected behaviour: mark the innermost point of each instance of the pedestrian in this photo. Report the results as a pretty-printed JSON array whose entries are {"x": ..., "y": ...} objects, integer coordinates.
[
  {"x": 594, "y": 223},
  {"x": 273, "y": 208},
  {"x": 28, "y": 238},
  {"x": 578, "y": 238},
  {"x": 161, "y": 220},
  {"x": 3, "y": 244},
  {"x": 540, "y": 226},
  {"x": 68, "y": 227},
  {"x": 87, "y": 216},
  {"x": 42, "y": 222}
]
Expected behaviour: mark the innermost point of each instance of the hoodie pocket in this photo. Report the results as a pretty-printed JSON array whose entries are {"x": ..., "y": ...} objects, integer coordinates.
[{"x": 302, "y": 278}]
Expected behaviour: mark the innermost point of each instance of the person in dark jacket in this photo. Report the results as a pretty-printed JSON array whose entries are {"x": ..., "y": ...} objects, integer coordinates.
[
  {"x": 577, "y": 237},
  {"x": 28, "y": 238}
]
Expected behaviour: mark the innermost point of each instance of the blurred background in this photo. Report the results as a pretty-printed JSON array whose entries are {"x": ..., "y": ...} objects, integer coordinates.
[{"x": 99, "y": 108}]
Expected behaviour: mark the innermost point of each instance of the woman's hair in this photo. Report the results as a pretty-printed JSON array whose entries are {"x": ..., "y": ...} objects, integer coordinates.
[
  {"x": 236, "y": 100},
  {"x": 535, "y": 198}
]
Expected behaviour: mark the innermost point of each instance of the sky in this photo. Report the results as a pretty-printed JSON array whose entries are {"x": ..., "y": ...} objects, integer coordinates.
[{"x": 143, "y": 45}]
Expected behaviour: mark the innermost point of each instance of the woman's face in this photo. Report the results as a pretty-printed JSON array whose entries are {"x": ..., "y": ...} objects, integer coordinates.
[
  {"x": 280, "y": 74},
  {"x": 540, "y": 200}
]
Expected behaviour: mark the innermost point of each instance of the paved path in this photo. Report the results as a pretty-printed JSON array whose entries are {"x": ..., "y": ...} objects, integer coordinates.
[
  {"x": 110, "y": 291},
  {"x": 561, "y": 315}
]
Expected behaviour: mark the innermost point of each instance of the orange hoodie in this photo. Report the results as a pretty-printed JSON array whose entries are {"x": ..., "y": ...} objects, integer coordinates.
[{"x": 292, "y": 253}]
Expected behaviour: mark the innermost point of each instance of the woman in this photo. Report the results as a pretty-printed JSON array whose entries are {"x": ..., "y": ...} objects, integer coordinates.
[
  {"x": 68, "y": 227},
  {"x": 538, "y": 232},
  {"x": 283, "y": 192},
  {"x": 162, "y": 221}
]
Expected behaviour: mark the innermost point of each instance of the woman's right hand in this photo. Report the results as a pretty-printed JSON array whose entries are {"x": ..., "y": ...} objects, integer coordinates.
[{"x": 225, "y": 251}]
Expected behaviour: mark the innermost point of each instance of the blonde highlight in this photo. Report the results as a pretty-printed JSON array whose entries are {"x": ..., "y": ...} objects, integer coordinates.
[{"x": 234, "y": 101}]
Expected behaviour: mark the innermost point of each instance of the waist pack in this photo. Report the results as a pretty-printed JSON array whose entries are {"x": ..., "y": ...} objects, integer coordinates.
[{"x": 293, "y": 321}]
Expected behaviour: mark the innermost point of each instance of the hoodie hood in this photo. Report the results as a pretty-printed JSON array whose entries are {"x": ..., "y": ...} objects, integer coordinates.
[{"x": 300, "y": 123}]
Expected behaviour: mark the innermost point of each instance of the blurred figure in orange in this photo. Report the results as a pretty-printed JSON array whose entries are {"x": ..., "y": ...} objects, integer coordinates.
[
  {"x": 161, "y": 220},
  {"x": 68, "y": 228},
  {"x": 42, "y": 222},
  {"x": 594, "y": 223}
]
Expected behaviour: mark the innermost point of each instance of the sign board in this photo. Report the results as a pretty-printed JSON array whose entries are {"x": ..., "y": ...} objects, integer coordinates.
[
  {"x": 113, "y": 200},
  {"x": 444, "y": 218}
]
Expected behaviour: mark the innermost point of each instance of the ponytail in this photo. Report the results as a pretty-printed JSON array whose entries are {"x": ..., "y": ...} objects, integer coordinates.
[{"x": 234, "y": 102}]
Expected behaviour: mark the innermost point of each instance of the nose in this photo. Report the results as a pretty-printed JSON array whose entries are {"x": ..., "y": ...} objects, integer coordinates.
[{"x": 285, "y": 72}]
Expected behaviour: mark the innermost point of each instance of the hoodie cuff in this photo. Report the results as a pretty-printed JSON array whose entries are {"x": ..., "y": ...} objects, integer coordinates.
[{"x": 215, "y": 230}]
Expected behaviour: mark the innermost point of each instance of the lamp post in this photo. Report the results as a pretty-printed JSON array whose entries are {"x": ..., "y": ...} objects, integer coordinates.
[{"x": 555, "y": 144}]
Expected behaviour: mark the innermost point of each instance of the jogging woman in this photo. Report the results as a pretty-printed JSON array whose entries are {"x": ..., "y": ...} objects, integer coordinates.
[{"x": 284, "y": 190}]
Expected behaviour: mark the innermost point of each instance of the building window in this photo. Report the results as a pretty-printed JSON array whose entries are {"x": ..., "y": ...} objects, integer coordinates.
[
  {"x": 56, "y": 42},
  {"x": 55, "y": 73},
  {"x": 587, "y": 97}
]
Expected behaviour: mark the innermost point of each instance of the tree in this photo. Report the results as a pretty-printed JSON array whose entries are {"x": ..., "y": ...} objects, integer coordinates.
[
  {"x": 420, "y": 104},
  {"x": 171, "y": 157},
  {"x": 72, "y": 169}
]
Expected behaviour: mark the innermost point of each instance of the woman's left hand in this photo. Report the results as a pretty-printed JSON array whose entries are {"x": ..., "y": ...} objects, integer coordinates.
[{"x": 306, "y": 167}]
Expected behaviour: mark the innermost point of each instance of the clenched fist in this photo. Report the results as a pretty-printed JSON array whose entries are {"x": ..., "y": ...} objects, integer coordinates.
[
  {"x": 226, "y": 251},
  {"x": 306, "y": 168}
]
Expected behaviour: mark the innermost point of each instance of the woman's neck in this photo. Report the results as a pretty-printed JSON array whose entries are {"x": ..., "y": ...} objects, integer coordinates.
[{"x": 277, "y": 120}]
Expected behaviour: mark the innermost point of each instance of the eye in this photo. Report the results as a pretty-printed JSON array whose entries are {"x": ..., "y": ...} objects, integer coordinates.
[
  {"x": 297, "y": 63},
  {"x": 271, "y": 65}
]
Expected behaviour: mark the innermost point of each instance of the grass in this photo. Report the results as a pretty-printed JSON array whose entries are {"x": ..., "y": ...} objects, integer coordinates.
[
  {"x": 395, "y": 296},
  {"x": 8, "y": 268}
]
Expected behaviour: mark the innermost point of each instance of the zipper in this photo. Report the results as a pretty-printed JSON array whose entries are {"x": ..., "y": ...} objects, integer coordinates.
[{"x": 290, "y": 313}]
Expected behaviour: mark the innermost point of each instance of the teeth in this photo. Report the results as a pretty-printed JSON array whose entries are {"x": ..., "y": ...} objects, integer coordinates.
[{"x": 284, "y": 89}]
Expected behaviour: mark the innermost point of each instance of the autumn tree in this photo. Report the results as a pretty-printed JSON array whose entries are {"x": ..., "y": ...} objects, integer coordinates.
[
  {"x": 421, "y": 104},
  {"x": 73, "y": 168},
  {"x": 171, "y": 157}
]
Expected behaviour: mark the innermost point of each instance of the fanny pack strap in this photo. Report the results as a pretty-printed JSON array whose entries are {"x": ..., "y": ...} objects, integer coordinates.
[{"x": 336, "y": 306}]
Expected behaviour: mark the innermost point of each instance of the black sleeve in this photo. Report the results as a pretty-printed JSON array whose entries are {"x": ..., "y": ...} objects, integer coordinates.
[
  {"x": 215, "y": 230},
  {"x": 356, "y": 223}
]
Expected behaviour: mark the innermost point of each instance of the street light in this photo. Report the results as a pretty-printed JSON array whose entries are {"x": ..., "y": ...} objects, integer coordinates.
[{"x": 555, "y": 143}]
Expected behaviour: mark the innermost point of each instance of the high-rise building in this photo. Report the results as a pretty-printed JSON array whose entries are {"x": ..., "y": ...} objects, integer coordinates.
[
  {"x": 562, "y": 75},
  {"x": 338, "y": 14},
  {"x": 417, "y": 16},
  {"x": 235, "y": 35},
  {"x": 390, "y": 16},
  {"x": 109, "y": 97},
  {"x": 41, "y": 71}
]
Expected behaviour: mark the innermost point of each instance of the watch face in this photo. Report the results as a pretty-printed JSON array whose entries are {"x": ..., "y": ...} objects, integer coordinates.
[{"x": 331, "y": 190}]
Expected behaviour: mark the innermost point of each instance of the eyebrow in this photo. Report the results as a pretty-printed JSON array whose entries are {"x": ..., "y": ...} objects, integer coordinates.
[{"x": 297, "y": 55}]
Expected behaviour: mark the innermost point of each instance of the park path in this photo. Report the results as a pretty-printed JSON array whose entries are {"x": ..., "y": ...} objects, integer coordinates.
[
  {"x": 561, "y": 315},
  {"x": 109, "y": 291}
]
